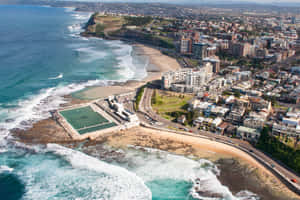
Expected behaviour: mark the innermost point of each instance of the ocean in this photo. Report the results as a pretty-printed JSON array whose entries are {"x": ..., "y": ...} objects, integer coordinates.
[{"x": 42, "y": 59}]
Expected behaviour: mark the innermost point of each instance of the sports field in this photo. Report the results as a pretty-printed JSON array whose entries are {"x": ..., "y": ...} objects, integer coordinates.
[{"x": 85, "y": 120}]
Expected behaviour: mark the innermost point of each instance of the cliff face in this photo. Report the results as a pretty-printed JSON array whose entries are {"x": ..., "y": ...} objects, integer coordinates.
[
  {"x": 89, "y": 28},
  {"x": 91, "y": 21}
]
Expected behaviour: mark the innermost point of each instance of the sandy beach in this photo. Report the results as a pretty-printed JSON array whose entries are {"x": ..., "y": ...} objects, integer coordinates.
[
  {"x": 158, "y": 64},
  {"x": 234, "y": 164},
  {"x": 239, "y": 171}
]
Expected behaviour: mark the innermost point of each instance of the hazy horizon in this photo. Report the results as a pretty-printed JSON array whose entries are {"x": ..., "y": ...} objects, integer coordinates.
[{"x": 198, "y": 1}]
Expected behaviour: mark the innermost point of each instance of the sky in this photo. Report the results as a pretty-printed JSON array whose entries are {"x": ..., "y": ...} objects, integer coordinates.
[{"x": 193, "y": 1}]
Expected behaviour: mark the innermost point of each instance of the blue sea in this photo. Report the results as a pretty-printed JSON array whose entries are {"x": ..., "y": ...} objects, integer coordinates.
[{"x": 42, "y": 59}]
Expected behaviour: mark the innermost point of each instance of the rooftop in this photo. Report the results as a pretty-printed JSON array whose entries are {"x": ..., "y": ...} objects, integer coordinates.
[{"x": 247, "y": 130}]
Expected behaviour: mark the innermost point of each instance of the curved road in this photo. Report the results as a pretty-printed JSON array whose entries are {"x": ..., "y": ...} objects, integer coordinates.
[{"x": 146, "y": 115}]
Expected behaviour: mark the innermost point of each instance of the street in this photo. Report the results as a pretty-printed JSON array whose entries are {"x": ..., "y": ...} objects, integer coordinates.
[{"x": 148, "y": 116}]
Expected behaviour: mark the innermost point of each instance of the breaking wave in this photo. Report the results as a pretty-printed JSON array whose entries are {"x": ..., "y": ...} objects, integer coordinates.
[
  {"x": 57, "y": 77},
  {"x": 33, "y": 108},
  {"x": 5, "y": 169},
  {"x": 129, "y": 65},
  {"x": 201, "y": 174},
  {"x": 56, "y": 172},
  {"x": 90, "y": 54}
]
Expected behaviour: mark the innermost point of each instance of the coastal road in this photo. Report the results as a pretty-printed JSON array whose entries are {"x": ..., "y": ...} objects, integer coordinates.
[{"x": 147, "y": 115}]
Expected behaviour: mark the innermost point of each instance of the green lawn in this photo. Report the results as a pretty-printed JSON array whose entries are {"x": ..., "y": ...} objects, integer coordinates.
[{"x": 165, "y": 103}]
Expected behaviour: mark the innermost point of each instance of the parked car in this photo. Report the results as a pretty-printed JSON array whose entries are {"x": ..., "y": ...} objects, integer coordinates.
[{"x": 294, "y": 180}]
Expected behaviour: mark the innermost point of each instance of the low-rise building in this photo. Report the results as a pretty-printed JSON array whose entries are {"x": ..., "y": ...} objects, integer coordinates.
[
  {"x": 219, "y": 111},
  {"x": 236, "y": 115},
  {"x": 222, "y": 128},
  {"x": 246, "y": 133},
  {"x": 258, "y": 103},
  {"x": 254, "y": 122},
  {"x": 215, "y": 123},
  {"x": 285, "y": 129},
  {"x": 181, "y": 119},
  {"x": 208, "y": 123}
]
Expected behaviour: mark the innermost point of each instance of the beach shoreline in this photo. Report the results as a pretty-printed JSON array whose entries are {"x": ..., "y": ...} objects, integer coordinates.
[
  {"x": 48, "y": 131},
  {"x": 233, "y": 163},
  {"x": 158, "y": 64},
  {"x": 260, "y": 179}
]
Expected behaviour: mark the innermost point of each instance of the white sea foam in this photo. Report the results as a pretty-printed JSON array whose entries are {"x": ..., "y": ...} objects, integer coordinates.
[
  {"x": 118, "y": 183},
  {"x": 81, "y": 16},
  {"x": 90, "y": 54},
  {"x": 2, "y": 150},
  {"x": 33, "y": 108},
  {"x": 75, "y": 28},
  {"x": 56, "y": 172},
  {"x": 80, "y": 19},
  {"x": 37, "y": 107},
  {"x": 202, "y": 173},
  {"x": 57, "y": 77},
  {"x": 247, "y": 195},
  {"x": 127, "y": 66},
  {"x": 88, "y": 178},
  {"x": 5, "y": 169}
]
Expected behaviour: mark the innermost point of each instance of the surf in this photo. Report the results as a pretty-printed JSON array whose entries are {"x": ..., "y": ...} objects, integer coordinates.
[
  {"x": 57, "y": 172},
  {"x": 199, "y": 177},
  {"x": 57, "y": 77}
]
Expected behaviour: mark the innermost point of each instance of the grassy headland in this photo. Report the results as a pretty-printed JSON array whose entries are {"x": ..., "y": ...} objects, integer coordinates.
[{"x": 145, "y": 30}]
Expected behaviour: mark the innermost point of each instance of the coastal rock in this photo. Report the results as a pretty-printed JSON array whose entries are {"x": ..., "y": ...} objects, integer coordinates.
[{"x": 9, "y": 120}]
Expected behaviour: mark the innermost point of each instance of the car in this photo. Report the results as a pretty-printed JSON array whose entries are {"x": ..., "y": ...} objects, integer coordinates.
[
  {"x": 272, "y": 165},
  {"x": 250, "y": 150},
  {"x": 294, "y": 180},
  {"x": 190, "y": 131}
]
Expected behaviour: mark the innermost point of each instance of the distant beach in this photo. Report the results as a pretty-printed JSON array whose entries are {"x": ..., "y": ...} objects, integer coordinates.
[{"x": 158, "y": 64}]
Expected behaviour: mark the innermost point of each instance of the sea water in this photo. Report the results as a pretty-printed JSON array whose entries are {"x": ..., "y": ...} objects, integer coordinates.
[{"x": 43, "y": 58}]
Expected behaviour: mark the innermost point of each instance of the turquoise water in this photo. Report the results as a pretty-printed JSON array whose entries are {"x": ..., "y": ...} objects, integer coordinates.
[
  {"x": 169, "y": 189},
  {"x": 43, "y": 58}
]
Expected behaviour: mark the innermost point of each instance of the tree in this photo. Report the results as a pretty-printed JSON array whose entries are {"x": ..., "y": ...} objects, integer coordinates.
[
  {"x": 190, "y": 117},
  {"x": 279, "y": 150},
  {"x": 237, "y": 94}
]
